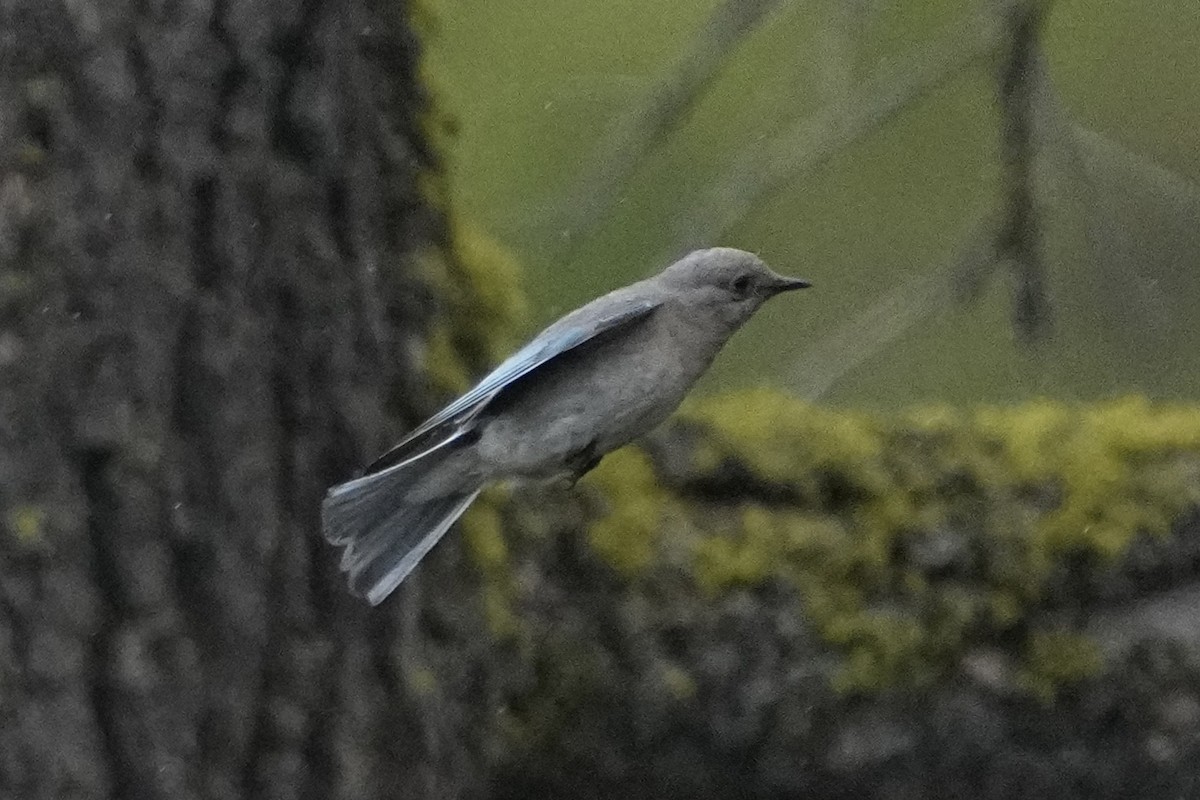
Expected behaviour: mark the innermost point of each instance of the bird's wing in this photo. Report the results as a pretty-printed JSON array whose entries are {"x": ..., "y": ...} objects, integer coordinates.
[{"x": 561, "y": 337}]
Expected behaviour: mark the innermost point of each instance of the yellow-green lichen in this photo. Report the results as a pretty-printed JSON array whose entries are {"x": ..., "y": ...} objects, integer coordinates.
[
  {"x": 30, "y": 155},
  {"x": 27, "y": 523},
  {"x": 879, "y": 646},
  {"x": 498, "y": 304},
  {"x": 740, "y": 558},
  {"x": 679, "y": 684},
  {"x": 421, "y": 679},
  {"x": 478, "y": 286},
  {"x": 1057, "y": 658},
  {"x": 1003, "y": 494},
  {"x": 567, "y": 674},
  {"x": 1097, "y": 459},
  {"x": 483, "y": 532},
  {"x": 750, "y": 552},
  {"x": 624, "y": 536},
  {"x": 444, "y": 365}
]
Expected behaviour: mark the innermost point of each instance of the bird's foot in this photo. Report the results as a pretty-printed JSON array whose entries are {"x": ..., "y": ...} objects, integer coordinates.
[{"x": 584, "y": 462}]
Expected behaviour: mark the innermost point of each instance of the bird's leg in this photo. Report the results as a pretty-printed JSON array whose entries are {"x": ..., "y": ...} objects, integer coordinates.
[{"x": 583, "y": 462}]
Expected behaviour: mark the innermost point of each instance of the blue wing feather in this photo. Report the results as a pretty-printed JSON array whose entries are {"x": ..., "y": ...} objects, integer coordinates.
[{"x": 559, "y": 338}]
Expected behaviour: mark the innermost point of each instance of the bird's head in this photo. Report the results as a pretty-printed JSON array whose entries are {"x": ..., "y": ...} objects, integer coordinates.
[{"x": 729, "y": 283}]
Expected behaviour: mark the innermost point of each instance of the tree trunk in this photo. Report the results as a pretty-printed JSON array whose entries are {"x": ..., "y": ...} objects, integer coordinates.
[{"x": 209, "y": 213}]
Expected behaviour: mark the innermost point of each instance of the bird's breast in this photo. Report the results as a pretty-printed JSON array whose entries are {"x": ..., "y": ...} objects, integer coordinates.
[{"x": 599, "y": 398}]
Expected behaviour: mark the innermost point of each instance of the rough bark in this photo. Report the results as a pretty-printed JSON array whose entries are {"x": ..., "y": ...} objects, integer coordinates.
[{"x": 209, "y": 217}]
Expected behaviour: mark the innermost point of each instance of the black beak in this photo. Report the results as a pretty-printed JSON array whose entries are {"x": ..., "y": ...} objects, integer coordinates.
[{"x": 790, "y": 284}]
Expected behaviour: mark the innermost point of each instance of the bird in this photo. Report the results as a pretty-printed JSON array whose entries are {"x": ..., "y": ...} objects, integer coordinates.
[{"x": 595, "y": 380}]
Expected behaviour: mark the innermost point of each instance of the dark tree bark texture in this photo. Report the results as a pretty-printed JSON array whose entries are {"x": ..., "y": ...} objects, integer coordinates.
[{"x": 209, "y": 213}]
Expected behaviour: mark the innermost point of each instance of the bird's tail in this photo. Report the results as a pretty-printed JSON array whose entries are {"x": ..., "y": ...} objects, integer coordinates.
[{"x": 384, "y": 533}]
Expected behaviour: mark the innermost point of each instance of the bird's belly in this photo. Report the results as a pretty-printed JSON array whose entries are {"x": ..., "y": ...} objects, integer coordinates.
[{"x": 586, "y": 408}]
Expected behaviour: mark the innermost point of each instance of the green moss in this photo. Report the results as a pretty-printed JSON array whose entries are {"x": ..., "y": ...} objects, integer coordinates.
[
  {"x": 567, "y": 676},
  {"x": 27, "y": 523},
  {"x": 444, "y": 365},
  {"x": 1007, "y": 492},
  {"x": 498, "y": 613},
  {"x": 1097, "y": 457},
  {"x": 483, "y": 532},
  {"x": 15, "y": 288},
  {"x": 421, "y": 679},
  {"x": 491, "y": 277},
  {"x": 478, "y": 284},
  {"x": 743, "y": 558},
  {"x": 1004, "y": 609},
  {"x": 30, "y": 155},
  {"x": 1057, "y": 658},
  {"x": 679, "y": 684},
  {"x": 484, "y": 535},
  {"x": 880, "y": 647},
  {"x": 625, "y": 534}
]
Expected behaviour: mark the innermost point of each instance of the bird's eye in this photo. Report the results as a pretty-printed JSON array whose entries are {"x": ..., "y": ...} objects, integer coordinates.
[{"x": 740, "y": 286}]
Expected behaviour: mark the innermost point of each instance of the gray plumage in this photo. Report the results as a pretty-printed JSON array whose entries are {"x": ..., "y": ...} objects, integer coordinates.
[{"x": 593, "y": 381}]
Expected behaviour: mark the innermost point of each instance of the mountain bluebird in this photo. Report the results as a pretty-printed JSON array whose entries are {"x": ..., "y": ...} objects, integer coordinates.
[{"x": 595, "y": 380}]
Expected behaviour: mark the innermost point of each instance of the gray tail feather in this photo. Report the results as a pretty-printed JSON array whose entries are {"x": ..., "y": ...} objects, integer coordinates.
[{"x": 384, "y": 535}]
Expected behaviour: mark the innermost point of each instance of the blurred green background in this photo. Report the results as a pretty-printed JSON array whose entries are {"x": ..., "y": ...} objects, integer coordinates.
[{"x": 534, "y": 86}]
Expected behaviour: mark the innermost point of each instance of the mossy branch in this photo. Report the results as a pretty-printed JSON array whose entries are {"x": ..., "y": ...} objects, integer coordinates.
[{"x": 765, "y": 577}]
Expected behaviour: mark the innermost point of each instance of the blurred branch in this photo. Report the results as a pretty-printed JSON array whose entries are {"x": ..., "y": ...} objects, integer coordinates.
[
  {"x": 840, "y": 30},
  {"x": 1112, "y": 248},
  {"x": 634, "y": 135},
  {"x": 819, "y": 137},
  {"x": 855, "y": 342},
  {"x": 1045, "y": 133},
  {"x": 1176, "y": 187},
  {"x": 1048, "y": 165},
  {"x": 969, "y": 277},
  {"x": 1019, "y": 240}
]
